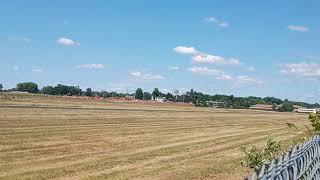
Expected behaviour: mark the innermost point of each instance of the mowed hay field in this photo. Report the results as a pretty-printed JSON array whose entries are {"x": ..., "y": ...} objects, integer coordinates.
[{"x": 65, "y": 138}]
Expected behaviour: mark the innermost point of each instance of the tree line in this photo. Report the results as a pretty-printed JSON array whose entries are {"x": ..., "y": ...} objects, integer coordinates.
[{"x": 197, "y": 98}]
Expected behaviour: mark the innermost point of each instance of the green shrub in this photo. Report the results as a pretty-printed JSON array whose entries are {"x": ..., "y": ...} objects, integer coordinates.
[
  {"x": 255, "y": 158},
  {"x": 271, "y": 150},
  {"x": 315, "y": 122}
]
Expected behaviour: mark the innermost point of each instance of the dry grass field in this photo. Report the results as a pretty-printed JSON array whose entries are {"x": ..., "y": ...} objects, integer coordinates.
[{"x": 64, "y": 138}]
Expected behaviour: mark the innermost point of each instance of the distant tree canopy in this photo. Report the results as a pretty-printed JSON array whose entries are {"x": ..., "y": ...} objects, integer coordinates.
[
  {"x": 29, "y": 87},
  {"x": 1, "y": 87},
  {"x": 169, "y": 97},
  {"x": 139, "y": 94},
  {"x": 272, "y": 100},
  {"x": 47, "y": 90},
  {"x": 286, "y": 107},
  {"x": 192, "y": 96},
  {"x": 88, "y": 92},
  {"x": 147, "y": 96},
  {"x": 156, "y": 93},
  {"x": 62, "y": 90}
]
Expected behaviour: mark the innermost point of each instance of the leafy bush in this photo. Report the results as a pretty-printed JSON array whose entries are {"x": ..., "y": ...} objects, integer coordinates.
[
  {"x": 286, "y": 107},
  {"x": 315, "y": 122},
  {"x": 272, "y": 149},
  {"x": 255, "y": 158}
]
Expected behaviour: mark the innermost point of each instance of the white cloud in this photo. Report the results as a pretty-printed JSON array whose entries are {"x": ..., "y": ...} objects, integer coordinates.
[
  {"x": 223, "y": 24},
  {"x": 212, "y": 59},
  {"x": 38, "y": 70},
  {"x": 298, "y": 28},
  {"x": 137, "y": 75},
  {"x": 15, "y": 68},
  {"x": 173, "y": 68},
  {"x": 210, "y": 19},
  {"x": 246, "y": 81},
  {"x": 67, "y": 42},
  {"x": 224, "y": 77},
  {"x": 220, "y": 75},
  {"x": 216, "y": 21},
  {"x": 185, "y": 50},
  {"x": 306, "y": 70},
  {"x": 203, "y": 70},
  {"x": 205, "y": 58},
  {"x": 217, "y": 74},
  {"x": 164, "y": 90},
  {"x": 90, "y": 66}
]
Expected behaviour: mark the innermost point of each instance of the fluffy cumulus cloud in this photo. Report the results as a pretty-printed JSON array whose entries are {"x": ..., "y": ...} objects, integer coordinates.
[
  {"x": 217, "y": 74},
  {"x": 220, "y": 75},
  {"x": 216, "y": 21},
  {"x": 90, "y": 66},
  {"x": 137, "y": 75},
  {"x": 246, "y": 81},
  {"x": 306, "y": 70},
  {"x": 205, "y": 58},
  {"x": 224, "y": 77},
  {"x": 212, "y": 59},
  {"x": 67, "y": 42},
  {"x": 164, "y": 90},
  {"x": 298, "y": 28},
  {"x": 185, "y": 50}
]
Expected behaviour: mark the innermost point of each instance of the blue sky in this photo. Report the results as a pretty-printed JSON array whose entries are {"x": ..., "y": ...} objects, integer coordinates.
[{"x": 260, "y": 48}]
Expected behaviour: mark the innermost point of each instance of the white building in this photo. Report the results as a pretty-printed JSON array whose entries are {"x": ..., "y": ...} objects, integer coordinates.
[
  {"x": 215, "y": 104},
  {"x": 160, "y": 99},
  {"x": 306, "y": 110},
  {"x": 263, "y": 107}
]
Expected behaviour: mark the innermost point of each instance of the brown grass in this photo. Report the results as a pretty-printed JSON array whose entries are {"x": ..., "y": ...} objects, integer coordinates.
[{"x": 63, "y": 138}]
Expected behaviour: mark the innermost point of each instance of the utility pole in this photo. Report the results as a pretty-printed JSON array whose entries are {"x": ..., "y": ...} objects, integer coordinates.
[{"x": 176, "y": 93}]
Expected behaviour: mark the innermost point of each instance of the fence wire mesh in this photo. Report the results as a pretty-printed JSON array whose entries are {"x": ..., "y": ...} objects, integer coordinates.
[{"x": 301, "y": 162}]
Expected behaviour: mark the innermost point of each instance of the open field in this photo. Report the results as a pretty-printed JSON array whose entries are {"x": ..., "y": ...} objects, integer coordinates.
[{"x": 65, "y": 138}]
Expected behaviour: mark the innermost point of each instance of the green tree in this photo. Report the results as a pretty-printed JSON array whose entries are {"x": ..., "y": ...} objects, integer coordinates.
[
  {"x": 286, "y": 107},
  {"x": 88, "y": 92},
  {"x": 139, "y": 94},
  {"x": 60, "y": 90},
  {"x": 147, "y": 96},
  {"x": 47, "y": 90},
  {"x": 155, "y": 93},
  {"x": 169, "y": 97},
  {"x": 29, "y": 87},
  {"x": 74, "y": 90},
  {"x": 1, "y": 87},
  {"x": 272, "y": 100}
]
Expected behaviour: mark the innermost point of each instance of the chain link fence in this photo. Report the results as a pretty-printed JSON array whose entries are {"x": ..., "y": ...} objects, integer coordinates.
[{"x": 301, "y": 162}]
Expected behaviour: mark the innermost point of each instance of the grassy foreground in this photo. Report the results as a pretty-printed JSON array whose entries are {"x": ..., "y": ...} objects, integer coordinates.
[{"x": 64, "y": 138}]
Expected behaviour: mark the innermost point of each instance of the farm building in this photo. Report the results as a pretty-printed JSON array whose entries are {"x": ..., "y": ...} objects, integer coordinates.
[
  {"x": 215, "y": 104},
  {"x": 306, "y": 110},
  {"x": 264, "y": 107},
  {"x": 160, "y": 99}
]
